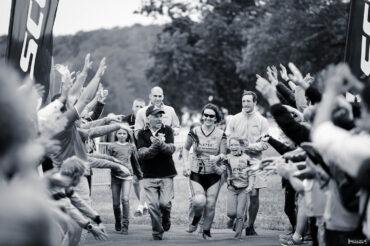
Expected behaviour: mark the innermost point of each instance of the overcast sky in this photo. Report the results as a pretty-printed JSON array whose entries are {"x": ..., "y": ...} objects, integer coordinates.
[{"x": 85, "y": 15}]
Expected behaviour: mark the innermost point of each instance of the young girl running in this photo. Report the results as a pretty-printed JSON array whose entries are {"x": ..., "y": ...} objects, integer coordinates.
[
  {"x": 240, "y": 184},
  {"x": 124, "y": 150}
]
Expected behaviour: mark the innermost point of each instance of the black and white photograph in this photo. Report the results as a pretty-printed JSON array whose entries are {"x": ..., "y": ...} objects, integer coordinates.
[{"x": 184, "y": 122}]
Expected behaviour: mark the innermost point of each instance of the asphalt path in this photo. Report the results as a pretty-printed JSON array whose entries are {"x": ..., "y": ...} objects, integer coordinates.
[{"x": 141, "y": 235}]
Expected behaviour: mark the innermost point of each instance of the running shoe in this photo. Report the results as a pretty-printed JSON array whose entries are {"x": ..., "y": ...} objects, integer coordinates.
[
  {"x": 206, "y": 235},
  {"x": 117, "y": 226},
  {"x": 124, "y": 229},
  {"x": 166, "y": 224},
  {"x": 139, "y": 211},
  {"x": 249, "y": 231},
  {"x": 145, "y": 209},
  {"x": 191, "y": 228},
  {"x": 290, "y": 241},
  {"x": 156, "y": 238}
]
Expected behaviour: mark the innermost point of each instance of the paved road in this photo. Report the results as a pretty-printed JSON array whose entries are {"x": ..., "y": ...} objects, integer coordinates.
[{"x": 140, "y": 235}]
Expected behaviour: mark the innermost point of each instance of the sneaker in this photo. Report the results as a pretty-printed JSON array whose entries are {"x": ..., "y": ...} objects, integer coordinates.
[
  {"x": 139, "y": 211},
  {"x": 166, "y": 224},
  {"x": 191, "y": 228},
  {"x": 290, "y": 241},
  {"x": 307, "y": 238},
  {"x": 117, "y": 226},
  {"x": 249, "y": 231},
  {"x": 206, "y": 235},
  {"x": 230, "y": 224},
  {"x": 156, "y": 238},
  {"x": 124, "y": 229},
  {"x": 145, "y": 209}
]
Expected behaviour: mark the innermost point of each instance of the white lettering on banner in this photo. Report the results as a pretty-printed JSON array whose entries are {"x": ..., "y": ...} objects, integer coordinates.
[
  {"x": 31, "y": 51},
  {"x": 365, "y": 64},
  {"x": 34, "y": 30}
]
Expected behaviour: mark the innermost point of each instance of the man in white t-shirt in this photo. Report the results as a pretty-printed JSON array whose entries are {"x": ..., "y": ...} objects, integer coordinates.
[
  {"x": 250, "y": 126},
  {"x": 169, "y": 117}
]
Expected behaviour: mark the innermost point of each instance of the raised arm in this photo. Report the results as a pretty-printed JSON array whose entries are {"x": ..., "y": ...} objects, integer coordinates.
[{"x": 90, "y": 90}]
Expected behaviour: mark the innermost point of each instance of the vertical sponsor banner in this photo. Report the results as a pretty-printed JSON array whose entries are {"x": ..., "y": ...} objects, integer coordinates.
[{"x": 30, "y": 39}]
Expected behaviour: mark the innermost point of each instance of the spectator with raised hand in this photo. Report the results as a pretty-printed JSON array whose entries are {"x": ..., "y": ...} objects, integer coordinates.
[
  {"x": 342, "y": 148},
  {"x": 61, "y": 185},
  {"x": 76, "y": 89},
  {"x": 284, "y": 92},
  {"x": 70, "y": 139},
  {"x": 24, "y": 200},
  {"x": 95, "y": 108},
  {"x": 304, "y": 88},
  {"x": 297, "y": 132},
  {"x": 251, "y": 126}
]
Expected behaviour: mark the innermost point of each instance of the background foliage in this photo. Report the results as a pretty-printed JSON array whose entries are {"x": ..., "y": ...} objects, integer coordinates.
[
  {"x": 127, "y": 53},
  {"x": 216, "y": 54}
]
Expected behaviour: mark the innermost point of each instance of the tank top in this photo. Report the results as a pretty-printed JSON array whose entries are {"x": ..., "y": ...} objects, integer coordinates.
[{"x": 204, "y": 146}]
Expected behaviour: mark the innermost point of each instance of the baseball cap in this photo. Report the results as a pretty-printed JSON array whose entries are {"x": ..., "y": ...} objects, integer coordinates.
[{"x": 152, "y": 110}]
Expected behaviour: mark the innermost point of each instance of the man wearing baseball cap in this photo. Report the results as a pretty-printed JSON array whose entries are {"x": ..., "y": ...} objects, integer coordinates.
[{"x": 155, "y": 146}]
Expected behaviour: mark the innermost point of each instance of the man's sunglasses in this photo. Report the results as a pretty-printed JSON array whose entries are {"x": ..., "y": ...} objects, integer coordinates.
[{"x": 209, "y": 115}]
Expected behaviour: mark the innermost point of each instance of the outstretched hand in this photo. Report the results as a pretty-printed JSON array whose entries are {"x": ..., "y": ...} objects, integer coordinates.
[
  {"x": 297, "y": 77},
  {"x": 283, "y": 73},
  {"x": 88, "y": 63},
  {"x": 339, "y": 79},
  {"x": 267, "y": 90},
  {"x": 98, "y": 233},
  {"x": 272, "y": 74}
]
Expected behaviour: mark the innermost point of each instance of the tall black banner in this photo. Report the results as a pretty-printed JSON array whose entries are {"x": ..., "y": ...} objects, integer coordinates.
[
  {"x": 357, "y": 53},
  {"x": 30, "y": 39}
]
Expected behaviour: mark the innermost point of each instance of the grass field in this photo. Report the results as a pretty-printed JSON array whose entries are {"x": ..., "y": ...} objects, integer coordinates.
[{"x": 271, "y": 213}]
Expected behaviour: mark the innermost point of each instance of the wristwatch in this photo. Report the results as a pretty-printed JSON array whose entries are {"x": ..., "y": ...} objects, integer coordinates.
[{"x": 88, "y": 226}]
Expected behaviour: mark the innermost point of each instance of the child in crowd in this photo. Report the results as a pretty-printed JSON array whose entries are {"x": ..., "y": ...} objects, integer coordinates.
[
  {"x": 124, "y": 150},
  {"x": 240, "y": 183}
]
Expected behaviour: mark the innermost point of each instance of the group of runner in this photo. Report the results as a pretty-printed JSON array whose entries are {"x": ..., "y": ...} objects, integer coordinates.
[{"x": 207, "y": 163}]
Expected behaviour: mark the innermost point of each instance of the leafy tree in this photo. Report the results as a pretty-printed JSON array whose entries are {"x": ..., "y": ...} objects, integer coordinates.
[
  {"x": 127, "y": 53},
  {"x": 235, "y": 39},
  {"x": 310, "y": 33},
  {"x": 194, "y": 60}
]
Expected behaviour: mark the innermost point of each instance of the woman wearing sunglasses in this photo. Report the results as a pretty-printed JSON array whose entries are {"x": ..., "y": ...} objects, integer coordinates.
[{"x": 204, "y": 175}]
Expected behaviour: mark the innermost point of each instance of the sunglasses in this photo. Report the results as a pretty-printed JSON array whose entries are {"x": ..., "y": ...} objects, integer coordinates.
[{"x": 209, "y": 115}]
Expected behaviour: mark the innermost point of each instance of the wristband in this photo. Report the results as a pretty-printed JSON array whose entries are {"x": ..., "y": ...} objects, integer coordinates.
[{"x": 97, "y": 220}]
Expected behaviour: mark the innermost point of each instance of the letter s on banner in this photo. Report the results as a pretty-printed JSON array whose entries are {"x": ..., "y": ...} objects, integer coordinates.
[
  {"x": 25, "y": 60},
  {"x": 30, "y": 39}
]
